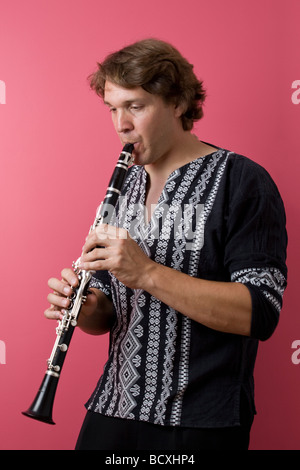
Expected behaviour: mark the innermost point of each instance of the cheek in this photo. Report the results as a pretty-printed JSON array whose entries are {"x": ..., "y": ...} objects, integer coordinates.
[
  {"x": 113, "y": 120},
  {"x": 153, "y": 130}
]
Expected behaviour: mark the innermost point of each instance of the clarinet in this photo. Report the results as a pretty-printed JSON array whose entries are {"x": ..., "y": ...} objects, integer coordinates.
[{"x": 42, "y": 406}]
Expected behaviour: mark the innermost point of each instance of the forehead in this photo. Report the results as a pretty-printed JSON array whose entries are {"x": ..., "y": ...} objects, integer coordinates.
[{"x": 115, "y": 94}]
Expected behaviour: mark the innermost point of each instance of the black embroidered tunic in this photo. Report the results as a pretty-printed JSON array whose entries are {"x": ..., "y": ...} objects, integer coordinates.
[{"x": 221, "y": 218}]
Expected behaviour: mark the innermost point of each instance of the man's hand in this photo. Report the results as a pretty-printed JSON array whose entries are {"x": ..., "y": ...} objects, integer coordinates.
[
  {"x": 111, "y": 248},
  {"x": 61, "y": 290}
]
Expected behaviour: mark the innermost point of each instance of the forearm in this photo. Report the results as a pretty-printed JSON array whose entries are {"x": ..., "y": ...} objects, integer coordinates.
[
  {"x": 96, "y": 318},
  {"x": 223, "y": 306}
]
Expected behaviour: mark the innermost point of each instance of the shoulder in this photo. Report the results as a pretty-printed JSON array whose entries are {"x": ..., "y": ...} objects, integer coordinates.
[{"x": 248, "y": 177}]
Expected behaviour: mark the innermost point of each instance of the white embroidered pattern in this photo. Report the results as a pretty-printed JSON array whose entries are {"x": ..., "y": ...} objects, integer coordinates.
[
  {"x": 269, "y": 277},
  {"x": 140, "y": 380},
  {"x": 193, "y": 268}
]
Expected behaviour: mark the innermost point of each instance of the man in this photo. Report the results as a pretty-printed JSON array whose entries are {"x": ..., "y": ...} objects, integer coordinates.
[{"x": 189, "y": 281}]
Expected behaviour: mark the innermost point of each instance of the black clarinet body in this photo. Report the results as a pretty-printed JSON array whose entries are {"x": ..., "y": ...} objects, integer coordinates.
[{"x": 42, "y": 406}]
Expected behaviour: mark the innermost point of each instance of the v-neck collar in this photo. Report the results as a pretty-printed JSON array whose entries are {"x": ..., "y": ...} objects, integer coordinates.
[{"x": 168, "y": 190}]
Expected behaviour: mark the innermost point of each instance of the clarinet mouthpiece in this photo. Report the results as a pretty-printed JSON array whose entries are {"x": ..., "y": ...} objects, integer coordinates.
[{"x": 128, "y": 148}]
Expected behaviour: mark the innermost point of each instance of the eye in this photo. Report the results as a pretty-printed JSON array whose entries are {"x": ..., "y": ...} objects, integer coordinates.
[{"x": 136, "y": 107}]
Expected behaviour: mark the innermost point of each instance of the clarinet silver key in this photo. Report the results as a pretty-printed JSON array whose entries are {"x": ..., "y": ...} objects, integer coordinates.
[{"x": 42, "y": 406}]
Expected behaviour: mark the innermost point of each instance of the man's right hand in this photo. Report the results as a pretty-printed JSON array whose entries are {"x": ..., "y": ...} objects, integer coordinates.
[
  {"x": 61, "y": 290},
  {"x": 96, "y": 313}
]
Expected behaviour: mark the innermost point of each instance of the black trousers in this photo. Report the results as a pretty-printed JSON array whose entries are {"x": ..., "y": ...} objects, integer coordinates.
[{"x": 100, "y": 432}]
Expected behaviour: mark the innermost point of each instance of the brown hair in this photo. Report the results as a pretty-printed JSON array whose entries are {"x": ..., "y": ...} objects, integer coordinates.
[{"x": 159, "y": 69}]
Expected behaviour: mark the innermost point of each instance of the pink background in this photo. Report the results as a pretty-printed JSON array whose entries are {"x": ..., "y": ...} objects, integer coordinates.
[{"x": 58, "y": 149}]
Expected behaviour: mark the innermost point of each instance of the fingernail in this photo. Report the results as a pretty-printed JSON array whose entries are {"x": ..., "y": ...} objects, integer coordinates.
[{"x": 67, "y": 290}]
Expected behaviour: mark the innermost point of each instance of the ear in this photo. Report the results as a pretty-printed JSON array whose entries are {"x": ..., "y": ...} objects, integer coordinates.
[{"x": 180, "y": 109}]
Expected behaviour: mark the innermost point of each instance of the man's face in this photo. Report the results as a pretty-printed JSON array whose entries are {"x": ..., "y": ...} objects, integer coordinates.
[{"x": 144, "y": 120}]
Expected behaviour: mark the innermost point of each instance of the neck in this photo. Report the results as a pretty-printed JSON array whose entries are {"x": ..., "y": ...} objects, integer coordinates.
[{"x": 185, "y": 150}]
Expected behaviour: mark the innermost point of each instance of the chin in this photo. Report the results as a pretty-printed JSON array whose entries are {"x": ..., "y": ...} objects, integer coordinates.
[
  {"x": 138, "y": 161},
  {"x": 139, "y": 158}
]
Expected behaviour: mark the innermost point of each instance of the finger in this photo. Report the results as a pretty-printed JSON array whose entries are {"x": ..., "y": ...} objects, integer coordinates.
[
  {"x": 53, "y": 314},
  {"x": 96, "y": 265},
  {"x": 95, "y": 254},
  {"x": 70, "y": 277},
  {"x": 110, "y": 231},
  {"x": 91, "y": 242},
  {"x": 60, "y": 287},
  {"x": 58, "y": 300},
  {"x": 104, "y": 236}
]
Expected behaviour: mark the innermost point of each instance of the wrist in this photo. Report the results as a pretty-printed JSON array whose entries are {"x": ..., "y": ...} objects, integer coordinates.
[{"x": 148, "y": 278}]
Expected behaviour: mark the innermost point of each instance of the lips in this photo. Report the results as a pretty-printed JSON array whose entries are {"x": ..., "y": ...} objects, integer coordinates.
[
  {"x": 137, "y": 149},
  {"x": 135, "y": 144}
]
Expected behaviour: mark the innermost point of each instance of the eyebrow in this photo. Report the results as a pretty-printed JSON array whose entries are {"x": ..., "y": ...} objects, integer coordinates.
[{"x": 125, "y": 103}]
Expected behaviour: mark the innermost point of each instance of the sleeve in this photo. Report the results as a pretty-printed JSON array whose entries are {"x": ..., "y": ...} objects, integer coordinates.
[
  {"x": 101, "y": 280},
  {"x": 256, "y": 245}
]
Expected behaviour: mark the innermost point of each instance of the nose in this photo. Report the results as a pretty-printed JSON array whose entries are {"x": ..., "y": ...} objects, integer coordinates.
[{"x": 122, "y": 121}]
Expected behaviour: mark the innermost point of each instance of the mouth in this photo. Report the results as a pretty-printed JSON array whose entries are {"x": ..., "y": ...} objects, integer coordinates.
[
  {"x": 131, "y": 141},
  {"x": 135, "y": 144}
]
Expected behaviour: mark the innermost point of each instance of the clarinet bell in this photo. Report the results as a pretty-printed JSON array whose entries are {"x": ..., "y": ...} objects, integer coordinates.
[{"x": 42, "y": 405}]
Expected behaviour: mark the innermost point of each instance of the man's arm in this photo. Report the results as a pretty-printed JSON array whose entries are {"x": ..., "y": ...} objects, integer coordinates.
[
  {"x": 96, "y": 320},
  {"x": 223, "y": 306}
]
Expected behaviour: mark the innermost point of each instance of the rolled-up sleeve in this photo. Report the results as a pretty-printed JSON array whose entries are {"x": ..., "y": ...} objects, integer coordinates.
[
  {"x": 266, "y": 287},
  {"x": 101, "y": 280}
]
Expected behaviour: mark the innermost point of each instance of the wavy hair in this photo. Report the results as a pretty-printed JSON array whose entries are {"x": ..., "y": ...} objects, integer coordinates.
[{"x": 159, "y": 69}]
